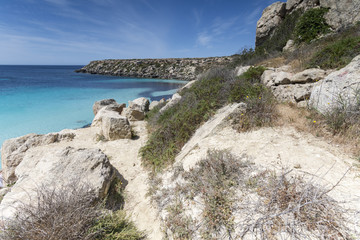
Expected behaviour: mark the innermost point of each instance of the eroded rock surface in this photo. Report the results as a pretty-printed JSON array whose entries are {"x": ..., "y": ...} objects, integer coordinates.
[
  {"x": 14, "y": 150},
  {"x": 339, "y": 89},
  {"x": 54, "y": 166}
]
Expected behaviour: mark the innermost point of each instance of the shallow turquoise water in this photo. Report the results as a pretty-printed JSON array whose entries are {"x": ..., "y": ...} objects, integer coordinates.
[{"x": 43, "y": 99}]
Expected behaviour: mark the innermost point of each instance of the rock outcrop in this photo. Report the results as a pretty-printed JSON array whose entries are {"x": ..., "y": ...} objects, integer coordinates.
[
  {"x": 341, "y": 14},
  {"x": 110, "y": 105},
  {"x": 14, "y": 150},
  {"x": 292, "y": 87},
  {"x": 54, "y": 167},
  {"x": 270, "y": 19},
  {"x": 339, "y": 89},
  {"x": 174, "y": 100},
  {"x": 137, "y": 109},
  {"x": 169, "y": 68}
]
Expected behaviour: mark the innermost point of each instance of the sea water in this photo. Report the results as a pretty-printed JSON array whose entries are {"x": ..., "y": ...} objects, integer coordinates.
[{"x": 43, "y": 99}]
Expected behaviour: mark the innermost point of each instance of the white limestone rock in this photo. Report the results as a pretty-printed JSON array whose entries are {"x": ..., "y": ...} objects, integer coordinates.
[
  {"x": 240, "y": 70},
  {"x": 13, "y": 150},
  {"x": 340, "y": 88},
  {"x": 54, "y": 166},
  {"x": 308, "y": 76},
  {"x": 270, "y": 19},
  {"x": 102, "y": 103},
  {"x": 174, "y": 100}
]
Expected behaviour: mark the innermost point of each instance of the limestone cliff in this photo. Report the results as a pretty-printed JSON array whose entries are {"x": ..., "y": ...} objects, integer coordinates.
[
  {"x": 341, "y": 14},
  {"x": 167, "y": 68}
]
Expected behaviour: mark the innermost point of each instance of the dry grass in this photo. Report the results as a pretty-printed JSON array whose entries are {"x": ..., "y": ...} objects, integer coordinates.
[
  {"x": 228, "y": 197},
  {"x": 310, "y": 121},
  {"x": 70, "y": 212},
  {"x": 66, "y": 212}
]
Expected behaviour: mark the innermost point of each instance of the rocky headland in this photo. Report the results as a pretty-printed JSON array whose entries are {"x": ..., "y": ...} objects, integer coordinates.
[{"x": 167, "y": 68}]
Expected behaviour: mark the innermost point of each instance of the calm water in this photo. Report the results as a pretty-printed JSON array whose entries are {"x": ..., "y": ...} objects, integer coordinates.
[{"x": 43, "y": 99}]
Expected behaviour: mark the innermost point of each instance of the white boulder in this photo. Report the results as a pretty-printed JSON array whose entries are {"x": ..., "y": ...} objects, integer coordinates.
[
  {"x": 339, "y": 89},
  {"x": 13, "y": 150},
  {"x": 54, "y": 166}
]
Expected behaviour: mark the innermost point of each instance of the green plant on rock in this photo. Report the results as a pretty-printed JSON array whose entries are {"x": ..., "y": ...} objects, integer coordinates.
[
  {"x": 175, "y": 126},
  {"x": 311, "y": 24}
]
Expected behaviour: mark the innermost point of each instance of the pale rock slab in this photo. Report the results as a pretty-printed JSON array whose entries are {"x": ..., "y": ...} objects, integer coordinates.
[
  {"x": 54, "y": 166},
  {"x": 13, "y": 150},
  {"x": 240, "y": 70},
  {"x": 308, "y": 76},
  {"x": 339, "y": 88},
  {"x": 174, "y": 100}
]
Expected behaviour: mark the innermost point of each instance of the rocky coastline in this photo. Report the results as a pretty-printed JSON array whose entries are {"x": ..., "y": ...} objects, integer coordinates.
[{"x": 167, "y": 68}]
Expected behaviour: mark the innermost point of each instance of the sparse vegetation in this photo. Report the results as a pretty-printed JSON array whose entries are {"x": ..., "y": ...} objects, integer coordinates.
[
  {"x": 337, "y": 54},
  {"x": 228, "y": 197},
  {"x": 69, "y": 211}
]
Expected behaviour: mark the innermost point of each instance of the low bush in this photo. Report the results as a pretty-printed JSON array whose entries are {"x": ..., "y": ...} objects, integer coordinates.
[
  {"x": 338, "y": 54},
  {"x": 311, "y": 25},
  {"x": 116, "y": 226},
  {"x": 175, "y": 126},
  {"x": 65, "y": 212}
]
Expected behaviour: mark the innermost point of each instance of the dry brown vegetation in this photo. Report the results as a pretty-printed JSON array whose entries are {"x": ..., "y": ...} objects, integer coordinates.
[
  {"x": 69, "y": 212},
  {"x": 310, "y": 121},
  {"x": 228, "y": 197}
]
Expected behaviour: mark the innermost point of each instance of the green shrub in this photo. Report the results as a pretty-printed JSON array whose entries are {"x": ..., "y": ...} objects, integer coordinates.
[
  {"x": 283, "y": 32},
  {"x": 176, "y": 125},
  {"x": 311, "y": 24},
  {"x": 247, "y": 85},
  {"x": 337, "y": 54},
  {"x": 116, "y": 226}
]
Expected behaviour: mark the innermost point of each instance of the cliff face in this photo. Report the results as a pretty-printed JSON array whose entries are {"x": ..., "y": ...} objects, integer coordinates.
[
  {"x": 342, "y": 13},
  {"x": 170, "y": 68}
]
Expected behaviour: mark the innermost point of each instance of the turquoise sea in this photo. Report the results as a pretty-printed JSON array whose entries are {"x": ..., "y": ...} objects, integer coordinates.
[{"x": 43, "y": 99}]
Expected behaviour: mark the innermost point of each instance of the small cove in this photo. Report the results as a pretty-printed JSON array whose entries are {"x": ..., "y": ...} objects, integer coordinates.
[{"x": 43, "y": 99}]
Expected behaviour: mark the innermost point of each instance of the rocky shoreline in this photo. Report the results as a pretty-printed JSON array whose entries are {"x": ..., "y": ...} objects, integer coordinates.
[{"x": 167, "y": 68}]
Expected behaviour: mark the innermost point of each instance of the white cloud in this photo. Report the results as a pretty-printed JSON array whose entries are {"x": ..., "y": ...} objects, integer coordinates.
[{"x": 204, "y": 39}]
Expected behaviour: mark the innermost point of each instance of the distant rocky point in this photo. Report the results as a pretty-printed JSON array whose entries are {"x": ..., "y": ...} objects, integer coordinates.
[{"x": 167, "y": 68}]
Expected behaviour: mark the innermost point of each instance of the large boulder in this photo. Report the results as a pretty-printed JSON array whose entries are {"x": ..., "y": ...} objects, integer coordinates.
[
  {"x": 102, "y": 103},
  {"x": 137, "y": 109},
  {"x": 115, "y": 127},
  {"x": 270, "y": 19},
  {"x": 339, "y": 89},
  {"x": 54, "y": 166},
  {"x": 112, "y": 125},
  {"x": 13, "y": 150},
  {"x": 140, "y": 104}
]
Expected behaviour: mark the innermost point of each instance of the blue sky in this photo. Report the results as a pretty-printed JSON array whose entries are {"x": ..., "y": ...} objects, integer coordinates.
[{"x": 78, "y": 31}]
